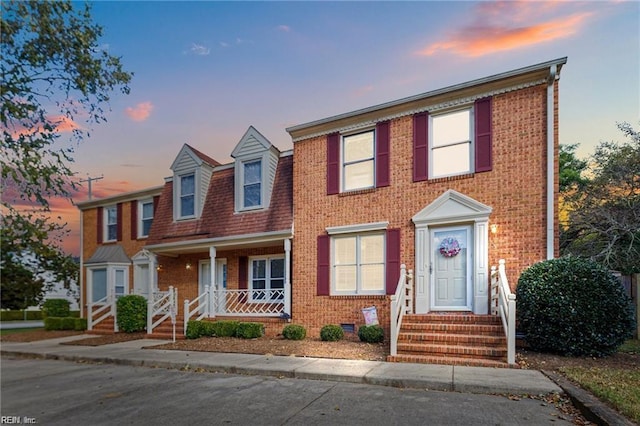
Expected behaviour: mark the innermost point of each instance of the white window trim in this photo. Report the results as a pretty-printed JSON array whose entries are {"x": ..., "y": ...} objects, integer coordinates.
[
  {"x": 359, "y": 228},
  {"x": 263, "y": 158},
  {"x": 140, "y": 224},
  {"x": 267, "y": 260},
  {"x": 343, "y": 164},
  {"x": 111, "y": 278},
  {"x": 471, "y": 141},
  {"x": 358, "y": 291},
  {"x": 105, "y": 221},
  {"x": 196, "y": 198}
]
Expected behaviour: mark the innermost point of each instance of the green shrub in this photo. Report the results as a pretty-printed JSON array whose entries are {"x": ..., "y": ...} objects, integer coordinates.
[
  {"x": 194, "y": 329},
  {"x": 331, "y": 333},
  {"x": 67, "y": 323},
  {"x": 80, "y": 324},
  {"x": 56, "y": 308},
  {"x": 75, "y": 314},
  {"x": 294, "y": 332},
  {"x": 21, "y": 315},
  {"x": 225, "y": 328},
  {"x": 207, "y": 329},
  {"x": 131, "y": 313},
  {"x": 371, "y": 333},
  {"x": 573, "y": 306},
  {"x": 53, "y": 323},
  {"x": 249, "y": 330}
]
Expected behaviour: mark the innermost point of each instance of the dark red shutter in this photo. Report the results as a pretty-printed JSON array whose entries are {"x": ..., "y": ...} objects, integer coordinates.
[
  {"x": 156, "y": 200},
  {"x": 243, "y": 270},
  {"x": 100, "y": 228},
  {"x": 333, "y": 163},
  {"x": 119, "y": 221},
  {"x": 134, "y": 220},
  {"x": 484, "y": 156},
  {"x": 420, "y": 147},
  {"x": 382, "y": 154},
  {"x": 393, "y": 260},
  {"x": 324, "y": 265}
]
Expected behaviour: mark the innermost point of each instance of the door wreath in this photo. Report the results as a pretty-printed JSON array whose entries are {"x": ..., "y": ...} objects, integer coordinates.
[{"x": 449, "y": 247}]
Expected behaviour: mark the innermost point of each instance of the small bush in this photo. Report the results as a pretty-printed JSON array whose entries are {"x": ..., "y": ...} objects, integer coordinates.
[
  {"x": 573, "y": 306},
  {"x": 249, "y": 330},
  {"x": 56, "y": 308},
  {"x": 225, "y": 328},
  {"x": 52, "y": 323},
  {"x": 207, "y": 329},
  {"x": 80, "y": 324},
  {"x": 331, "y": 333},
  {"x": 194, "y": 329},
  {"x": 294, "y": 332},
  {"x": 371, "y": 333},
  {"x": 75, "y": 314},
  {"x": 68, "y": 323},
  {"x": 131, "y": 313}
]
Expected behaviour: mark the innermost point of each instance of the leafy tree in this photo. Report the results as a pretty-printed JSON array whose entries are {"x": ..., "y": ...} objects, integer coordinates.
[
  {"x": 604, "y": 211},
  {"x": 54, "y": 76},
  {"x": 571, "y": 168}
]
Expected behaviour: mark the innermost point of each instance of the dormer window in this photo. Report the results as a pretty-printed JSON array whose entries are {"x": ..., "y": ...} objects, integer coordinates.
[
  {"x": 252, "y": 185},
  {"x": 187, "y": 196}
]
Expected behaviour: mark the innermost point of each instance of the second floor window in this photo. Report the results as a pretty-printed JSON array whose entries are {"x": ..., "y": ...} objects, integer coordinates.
[
  {"x": 358, "y": 161},
  {"x": 451, "y": 143},
  {"x": 252, "y": 185},
  {"x": 111, "y": 223},
  {"x": 187, "y": 195},
  {"x": 146, "y": 217}
]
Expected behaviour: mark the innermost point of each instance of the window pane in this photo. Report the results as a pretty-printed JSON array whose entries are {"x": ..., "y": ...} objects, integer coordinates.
[
  {"x": 358, "y": 175},
  {"x": 112, "y": 216},
  {"x": 147, "y": 210},
  {"x": 98, "y": 284},
  {"x": 277, "y": 269},
  {"x": 372, "y": 249},
  {"x": 187, "y": 206},
  {"x": 358, "y": 147},
  {"x": 451, "y": 128},
  {"x": 259, "y": 284},
  {"x": 146, "y": 226},
  {"x": 277, "y": 284},
  {"x": 252, "y": 195},
  {"x": 451, "y": 160},
  {"x": 372, "y": 277},
  {"x": 187, "y": 185},
  {"x": 344, "y": 251},
  {"x": 112, "y": 232},
  {"x": 253, "y": 172},
  {"x": 205, "y": 273},
  {"x": 345, "y": 278},
  {"x": 259, "y": 269}
]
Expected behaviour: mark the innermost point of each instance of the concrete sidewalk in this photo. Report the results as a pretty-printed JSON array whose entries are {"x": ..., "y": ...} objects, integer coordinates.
[{"x": 404, "y": 375}]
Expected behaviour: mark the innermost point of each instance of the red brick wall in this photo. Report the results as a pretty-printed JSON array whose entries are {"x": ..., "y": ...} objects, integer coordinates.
[{"x": 515, "y": 189}]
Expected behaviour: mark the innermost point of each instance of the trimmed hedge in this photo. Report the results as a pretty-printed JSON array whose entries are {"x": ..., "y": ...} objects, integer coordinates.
[
  {"x": 371, "y": 334},
  {"x": 56, "y": 308},
  {"x": 249, "y": 330},
  {"x": 225, "y": 328},
  {"x": 331, "y": 333},
  {"x": 65, "y": 323},
  {"x": 20, "y": 315},
  {"x": 294, "y": 332},
  {"x": 131, "y": 313},
  {"x": 244, "y": 330},
  {"x": 573, "y": 306}
]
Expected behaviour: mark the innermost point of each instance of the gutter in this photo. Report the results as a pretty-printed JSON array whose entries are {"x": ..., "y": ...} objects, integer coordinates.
[{"x": 553, "y": 74}]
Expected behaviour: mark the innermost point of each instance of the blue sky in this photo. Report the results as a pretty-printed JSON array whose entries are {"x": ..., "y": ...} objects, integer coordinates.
[{"x": 206, "y": 71}]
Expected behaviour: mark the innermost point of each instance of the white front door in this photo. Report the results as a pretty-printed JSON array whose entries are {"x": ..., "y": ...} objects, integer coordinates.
[
  {"x": 141, "y": 279},
  {"x": 451, "y": 268}
]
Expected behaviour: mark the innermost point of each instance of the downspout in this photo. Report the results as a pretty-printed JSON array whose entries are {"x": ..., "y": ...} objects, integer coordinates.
[
  {"x": 80, "y": 272},
  {"x": 551, "y": 161}
]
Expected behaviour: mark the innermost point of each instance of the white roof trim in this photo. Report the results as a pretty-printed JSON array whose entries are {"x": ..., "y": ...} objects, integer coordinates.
[{"x": 450, "y": 207}]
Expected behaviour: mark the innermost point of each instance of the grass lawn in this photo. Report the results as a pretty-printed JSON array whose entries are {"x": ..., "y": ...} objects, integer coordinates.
[
  {"x": 616, "y": 386},
  {"x": 19, "y": 330}
]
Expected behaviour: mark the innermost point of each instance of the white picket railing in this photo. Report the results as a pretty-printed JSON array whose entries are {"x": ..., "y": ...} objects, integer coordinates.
[
  {"x": 106, "y": 307},
  {"x": 200, "y": 306},
  {"x": 503, "y": 303},
  {"x": 401, "y": 304},
  {"x": 163, "y": 304},
  {"x": 249, "y": 302}
]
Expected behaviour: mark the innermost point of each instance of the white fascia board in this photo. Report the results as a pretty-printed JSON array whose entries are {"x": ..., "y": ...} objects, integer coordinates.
[{"x": 362, "y": 227}]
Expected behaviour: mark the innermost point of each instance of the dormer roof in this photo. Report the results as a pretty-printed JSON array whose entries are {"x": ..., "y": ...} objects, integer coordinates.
[
  {"x": 252, "y": 142},
  {"x": 190, "y": 154}
]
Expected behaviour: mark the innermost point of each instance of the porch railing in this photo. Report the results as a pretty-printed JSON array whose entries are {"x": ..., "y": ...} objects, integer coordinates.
[
  {"x": 106, "y": 307},
  {"x": 248, "y": 302},
  {"x": 200, "y": 306},
  {"x": 401, "y": 304},
  {"x": 162, "y": 304},
  {"x": 503, "y": 303}
]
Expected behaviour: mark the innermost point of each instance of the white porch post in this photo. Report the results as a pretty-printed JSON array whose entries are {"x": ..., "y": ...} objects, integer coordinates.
[
  {"x": 213, "y": 288},
  {"x": 287, "y": 276}
]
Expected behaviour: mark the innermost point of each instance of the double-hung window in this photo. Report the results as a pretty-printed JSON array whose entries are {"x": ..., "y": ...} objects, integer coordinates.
[
  {"x": 146, "y": 217},
  {"x": 358, "y": 161},
  {"x": 187, "y": 195},
  {"x": 358, "y": 264},
  {"x": 267, "y": 279},
  {"x": 451, "y": 143},
  {"x": 252, "y": 184},
  {"x": 110, "y": 223}
]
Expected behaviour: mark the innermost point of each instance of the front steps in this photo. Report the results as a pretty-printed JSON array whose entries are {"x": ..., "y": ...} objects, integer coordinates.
[
  {"x": 452, "y": 339},
  {"x": 163, "y": 331}
]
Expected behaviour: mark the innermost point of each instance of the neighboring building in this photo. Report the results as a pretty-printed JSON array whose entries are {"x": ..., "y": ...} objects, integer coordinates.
[{"x": 447, "y": 182}]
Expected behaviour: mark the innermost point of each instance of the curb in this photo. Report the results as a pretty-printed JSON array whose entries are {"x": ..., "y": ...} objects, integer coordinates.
[{"x": 591, "y": 407}]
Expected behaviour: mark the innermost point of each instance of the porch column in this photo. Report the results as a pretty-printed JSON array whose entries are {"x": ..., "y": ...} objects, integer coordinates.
[
  {"x": 213, "y": 288},
  {"x": 287, "y": 276}
]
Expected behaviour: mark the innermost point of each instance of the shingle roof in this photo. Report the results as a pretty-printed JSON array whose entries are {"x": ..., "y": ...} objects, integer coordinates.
[
  {"x": 204, "y": 157},
  {"x": 109, "y": 254}
]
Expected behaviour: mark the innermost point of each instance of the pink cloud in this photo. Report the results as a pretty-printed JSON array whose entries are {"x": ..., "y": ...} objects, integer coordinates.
[
  {"x": 500, "y": 26},
  {"x": 140, "y": 112}
]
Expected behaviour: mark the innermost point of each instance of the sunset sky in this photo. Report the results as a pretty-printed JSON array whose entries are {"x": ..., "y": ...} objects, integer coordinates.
[{"x": 206, "y": 71}]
